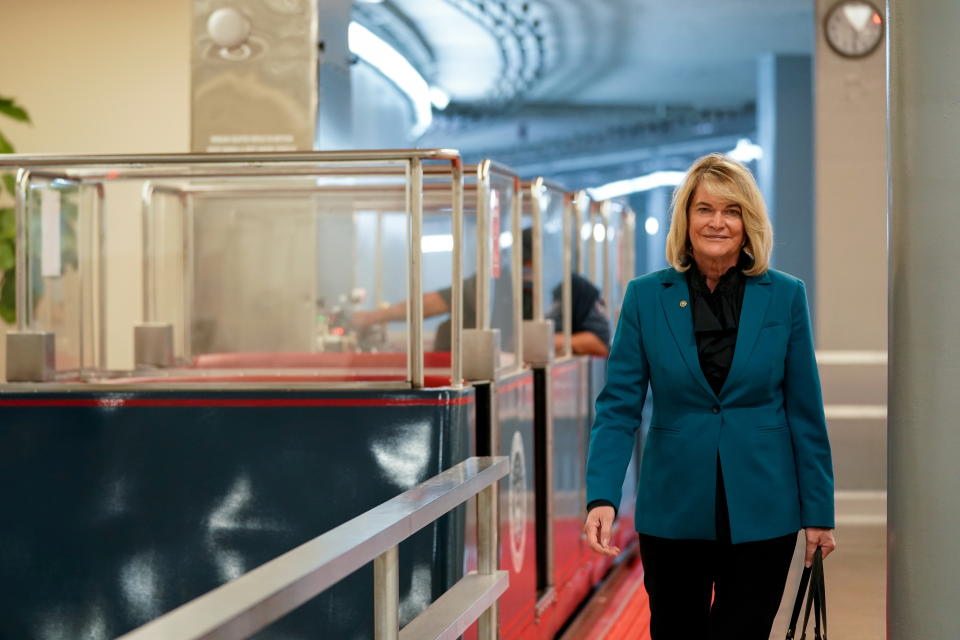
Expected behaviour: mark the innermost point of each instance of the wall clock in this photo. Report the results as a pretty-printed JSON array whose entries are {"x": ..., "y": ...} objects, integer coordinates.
[{"x": 853, "y": 28}]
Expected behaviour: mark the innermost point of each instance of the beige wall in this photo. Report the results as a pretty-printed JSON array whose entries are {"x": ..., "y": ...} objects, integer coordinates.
[
  {"x": 851, "y": 266},
  {"x": 851, "y": 223},
  {"x": 100, "y": 76}
]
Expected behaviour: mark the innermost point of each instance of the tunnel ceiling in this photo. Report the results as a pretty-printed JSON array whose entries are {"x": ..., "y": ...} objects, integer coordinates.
[
  {"x": 700, "y": 53},
  {"x": 572, "y": 76}
]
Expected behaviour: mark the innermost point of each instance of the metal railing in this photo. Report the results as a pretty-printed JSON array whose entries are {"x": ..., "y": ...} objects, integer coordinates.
[
  {"x": 246, "y": 605},
  {"x": 98, "y": 169}
]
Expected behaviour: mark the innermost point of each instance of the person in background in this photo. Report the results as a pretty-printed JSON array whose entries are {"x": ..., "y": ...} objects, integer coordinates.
[
  {"x": 736, "y": 459},
  {"x": 590, "y": 325}
]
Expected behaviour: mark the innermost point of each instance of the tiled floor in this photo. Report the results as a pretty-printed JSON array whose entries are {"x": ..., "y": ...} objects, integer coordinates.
[{"x": 856, "y": 585}]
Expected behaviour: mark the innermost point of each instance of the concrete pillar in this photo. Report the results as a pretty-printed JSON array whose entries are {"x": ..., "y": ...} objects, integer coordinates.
[
  {"x": 924, "y": 422},
  {"x": 785, "y": 133},
  {"x": 270, "y": 76}
]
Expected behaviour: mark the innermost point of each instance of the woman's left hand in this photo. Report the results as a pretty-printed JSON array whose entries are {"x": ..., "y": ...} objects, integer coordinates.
[{"x": 822, "y": 538}]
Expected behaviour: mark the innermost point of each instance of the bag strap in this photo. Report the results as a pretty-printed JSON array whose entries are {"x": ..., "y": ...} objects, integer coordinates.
[
  {"x": 812, "y": 590},
  {"x": 811, "y": 600},
  {"x": 817, "y": 599},
  {"x": 798, "y": 603},
  {"x": 820, "y": 592}
]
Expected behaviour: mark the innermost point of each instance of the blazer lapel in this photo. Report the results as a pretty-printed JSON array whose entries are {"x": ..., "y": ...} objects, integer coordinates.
[
  {"x": 680, "y": 320},
  {"x": 756, "y": 298}
]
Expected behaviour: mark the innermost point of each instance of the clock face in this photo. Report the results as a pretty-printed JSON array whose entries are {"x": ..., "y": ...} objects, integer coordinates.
[{"x": 853, "y": 28}]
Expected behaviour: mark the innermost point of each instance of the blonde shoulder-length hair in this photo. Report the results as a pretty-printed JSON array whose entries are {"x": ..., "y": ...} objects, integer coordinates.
[{"x": 725, "y": 178}]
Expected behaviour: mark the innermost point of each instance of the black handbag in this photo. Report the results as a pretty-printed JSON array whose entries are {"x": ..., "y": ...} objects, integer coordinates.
[{"x": 812, "y": 591}]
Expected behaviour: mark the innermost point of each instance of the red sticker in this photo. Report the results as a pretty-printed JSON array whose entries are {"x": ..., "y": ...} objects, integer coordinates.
[{"x": 495, "y": 233}]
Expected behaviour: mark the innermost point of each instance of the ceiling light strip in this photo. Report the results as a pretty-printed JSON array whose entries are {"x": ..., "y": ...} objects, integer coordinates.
[{"x": 375, "y": 52}]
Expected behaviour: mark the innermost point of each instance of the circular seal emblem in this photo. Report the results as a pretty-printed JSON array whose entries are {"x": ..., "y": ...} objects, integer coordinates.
[{"x": 517, "y": 502}]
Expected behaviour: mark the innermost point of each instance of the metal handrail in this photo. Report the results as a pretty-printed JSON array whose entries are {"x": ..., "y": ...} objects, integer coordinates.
[
  {"x": 411, "y": 162},
  {"x": 243, "y": 606},
  {"x": 371, "y": 155}
]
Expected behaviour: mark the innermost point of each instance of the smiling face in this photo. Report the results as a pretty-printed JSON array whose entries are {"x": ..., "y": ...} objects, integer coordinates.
[{"x": 715, "y": 227}]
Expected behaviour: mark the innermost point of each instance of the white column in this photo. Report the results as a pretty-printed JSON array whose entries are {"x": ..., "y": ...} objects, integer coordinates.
[{"x": 924, "y": 419}]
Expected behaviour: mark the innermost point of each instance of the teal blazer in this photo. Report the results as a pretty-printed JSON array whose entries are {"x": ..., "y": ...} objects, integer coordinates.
[{"x": 767, "y": 423}]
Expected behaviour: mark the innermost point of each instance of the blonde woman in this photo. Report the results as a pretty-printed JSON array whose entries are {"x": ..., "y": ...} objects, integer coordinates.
[{"x": 736, "y": 459}]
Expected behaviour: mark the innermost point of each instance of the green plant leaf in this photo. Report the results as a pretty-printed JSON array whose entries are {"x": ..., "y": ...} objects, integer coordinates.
[
  {"x": 7, "y": 259},
  {"x": 8, "y": 224},
  {"x": 5, "y": 146},
  {"x": 8, "y": 297},
  {"x": 10, "y": 183},
  {"x": 10, "y": 108}
]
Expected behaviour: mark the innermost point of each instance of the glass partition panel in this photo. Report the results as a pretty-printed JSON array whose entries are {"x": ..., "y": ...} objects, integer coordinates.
[
  {"x": 596, "y": 247},
  {"x": 530, "y": 255},
  {"x": 554, "y": 226},
  {"x": 505, "y": 306},
  {"x": 245, "y": 267},
  {"x": 58, "y": 224},
  {"x": 280, "y": 266},
  {"x": 438, "y": 256},
  {"x": 621, "y": 229},
  {"x": 582, "y": 233},
  {"x": 308, "y": 276},
  {"x": 549, "y": 205},
  {"x": 555, "y": 223}
]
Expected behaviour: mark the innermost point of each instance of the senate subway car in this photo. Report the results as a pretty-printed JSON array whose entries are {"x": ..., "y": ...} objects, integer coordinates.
[{"x": 220, "y": 357}]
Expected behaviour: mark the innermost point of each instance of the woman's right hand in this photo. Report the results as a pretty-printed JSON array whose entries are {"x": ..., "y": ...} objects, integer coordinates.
[{"x": 597, "y": 528}]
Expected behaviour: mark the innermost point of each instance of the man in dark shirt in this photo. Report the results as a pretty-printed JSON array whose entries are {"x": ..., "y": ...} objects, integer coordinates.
[{"x": 590, "y": 326}]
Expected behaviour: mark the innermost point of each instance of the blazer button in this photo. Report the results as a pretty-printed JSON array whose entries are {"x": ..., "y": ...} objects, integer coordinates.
[{"x": 716, "y": 409}]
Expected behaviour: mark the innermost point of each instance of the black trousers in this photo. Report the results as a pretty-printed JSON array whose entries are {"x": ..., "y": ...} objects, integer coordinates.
[{"x": 746, "y": 581}]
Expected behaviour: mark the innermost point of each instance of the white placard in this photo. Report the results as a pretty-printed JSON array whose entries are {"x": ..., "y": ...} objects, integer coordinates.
[{"x": 50, "y": 266}]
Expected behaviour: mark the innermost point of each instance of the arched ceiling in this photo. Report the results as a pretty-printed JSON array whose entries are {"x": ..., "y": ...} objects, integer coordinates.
[
  {"x": 700, "y": 53},
  {"x": 542, "y": 77}
]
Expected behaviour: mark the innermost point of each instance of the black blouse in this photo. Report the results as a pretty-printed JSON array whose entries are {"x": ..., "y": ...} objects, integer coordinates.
[{"x": 716, "y": 317}]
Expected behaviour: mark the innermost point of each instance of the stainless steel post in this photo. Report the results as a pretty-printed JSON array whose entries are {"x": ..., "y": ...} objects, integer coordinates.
[
  {"x": 415, "y": 328},
  {"x": 569, "y": 220},
  {"x": 148, "y": 242},
  {"x": 487, "y": 553},
  {"x": 23, "y": 185},
  {"x": 483, "y": 245},
  {"x": 456, "y": 314},
  {"x": 607, "y": 248},
  {"x": 924, "y": 439},
  {"x": 591, "y": 244},
  {"x": 517, "y": 267},
  {"x": 100, "y": 259},
  {"x": 579, "y": 218},
  {"x": 536, "y": 193},
  {"x": 386, "y": 596},
  {"x": 189, "y": 275}
]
